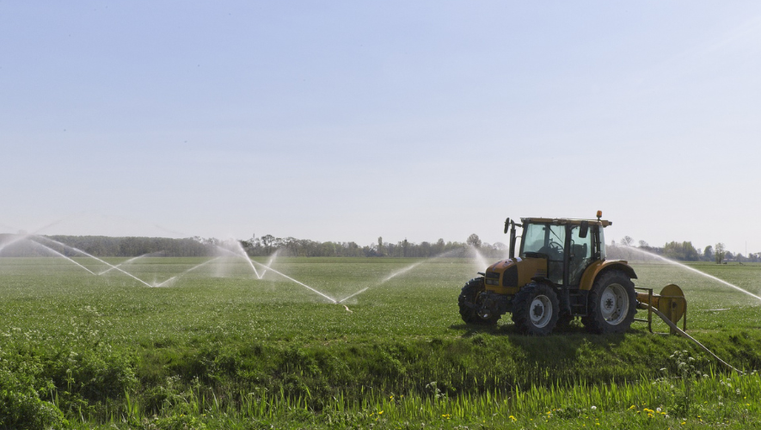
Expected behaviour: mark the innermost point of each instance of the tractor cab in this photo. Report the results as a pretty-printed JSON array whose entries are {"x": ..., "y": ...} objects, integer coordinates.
[{"x": 568, "y": 246}]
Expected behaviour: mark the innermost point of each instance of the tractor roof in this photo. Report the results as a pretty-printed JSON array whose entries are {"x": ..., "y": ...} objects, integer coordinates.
[{"x": 565, "y": 221}]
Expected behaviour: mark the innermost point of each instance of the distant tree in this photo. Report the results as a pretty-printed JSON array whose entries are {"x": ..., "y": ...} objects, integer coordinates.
[
  {"x": 680, "y": 251},
  {"x": 643, "y": 244},
  {"x": 474, "y": 241},
  {"x": 425, "y": 249},
  {"x": 719, "y": 253},
  {"x": 352, "y": 249},
  {"x": 380, "y": 246},
  {"x": 438, "y": 248},
  {"x": 627, "y": 241},
  {"x": 708, "y": 253},
  {"x": 268, "y": 242},
  {"x": 294, "y": 246}
]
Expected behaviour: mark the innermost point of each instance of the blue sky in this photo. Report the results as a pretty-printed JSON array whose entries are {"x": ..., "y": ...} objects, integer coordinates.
[{"x": 346, "y": 121}]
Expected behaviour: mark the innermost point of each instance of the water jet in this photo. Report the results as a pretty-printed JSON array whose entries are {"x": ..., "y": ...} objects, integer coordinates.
[
  {"x": 332, "y": 300},
  {"x": 187, "y": 271},
  {"x": 126, "y": 262},
  {"x": 95, "y": 258},
  {"x": 399, "y": 272},
  {"x": 694, "y": 270},
  {"x": 49, "y": 249}
]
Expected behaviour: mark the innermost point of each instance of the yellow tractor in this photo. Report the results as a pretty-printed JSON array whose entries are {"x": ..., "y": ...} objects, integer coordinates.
[{"x": 560, "y": 273}]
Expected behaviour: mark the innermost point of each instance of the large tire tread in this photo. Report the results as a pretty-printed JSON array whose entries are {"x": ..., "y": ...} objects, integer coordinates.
[
  {"x": 522, "y": 309},
  {"x": 467, "y": 302},
  {"x": 595, "y": 321}
]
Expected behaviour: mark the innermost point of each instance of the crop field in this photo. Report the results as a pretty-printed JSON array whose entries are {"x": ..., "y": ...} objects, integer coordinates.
[{"x": 82, "y": 346}]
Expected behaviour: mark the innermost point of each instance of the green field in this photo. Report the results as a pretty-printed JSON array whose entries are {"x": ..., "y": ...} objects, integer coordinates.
[{"x": 219, "y": 348}]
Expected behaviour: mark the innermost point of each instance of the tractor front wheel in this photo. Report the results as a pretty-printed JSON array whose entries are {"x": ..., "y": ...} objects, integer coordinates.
[
  {"x": 612, "y": 304},
  {"x": 536, "y": 310},
  {"x": 470, "y": 305}
]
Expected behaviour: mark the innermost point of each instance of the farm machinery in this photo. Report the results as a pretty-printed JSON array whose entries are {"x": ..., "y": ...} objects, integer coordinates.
[{"x": 561, "y": 273}]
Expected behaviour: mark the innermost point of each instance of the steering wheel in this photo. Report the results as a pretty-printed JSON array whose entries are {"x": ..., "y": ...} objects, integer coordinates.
[{"x": 552, "y": 249}]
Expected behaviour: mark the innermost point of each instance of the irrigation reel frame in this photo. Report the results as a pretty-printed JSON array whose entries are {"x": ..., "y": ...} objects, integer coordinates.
[{"x": 671, "y": 303}]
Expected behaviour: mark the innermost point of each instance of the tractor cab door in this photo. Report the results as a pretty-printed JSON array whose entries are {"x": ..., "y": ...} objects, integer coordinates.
[
  {"x": 580, "y": 253},
  {"x": 547, "y": 240}
]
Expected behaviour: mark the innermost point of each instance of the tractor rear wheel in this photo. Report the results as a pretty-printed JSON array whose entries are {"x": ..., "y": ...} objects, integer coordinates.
[
  {"x": 536, "y": 309},
  {"x": 469, "y": 304},
  {"x": 612, "y": 304}
]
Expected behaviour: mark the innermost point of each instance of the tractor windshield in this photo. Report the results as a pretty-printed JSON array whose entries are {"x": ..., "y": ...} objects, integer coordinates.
[{"x": 545, "y": 239}]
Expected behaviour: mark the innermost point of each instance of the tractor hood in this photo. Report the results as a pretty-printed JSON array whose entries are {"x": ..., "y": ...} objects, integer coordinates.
[
  {"x": 513, "y": 273},
  {"x": 501, "y": 265}
]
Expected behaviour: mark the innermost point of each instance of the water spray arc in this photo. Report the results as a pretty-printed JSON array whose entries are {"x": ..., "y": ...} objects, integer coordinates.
[
  {"x": 692, "y": 269},
  {"x": 384, "y": 280},
  {"x": 398, "y": 273},
  {"x": 352, "y": 295},
  {"x": 270, "y": 261},
  {"x": 187, "y": 271},
  {"x": 17, "y": 238},
  {"x": 238, "y": 252},
  {"x": 480, "y": 259},
  {"x": 96, "y": 258},
  {"x": 331, "y": 299},
  {"x": 49, "y": 249},
  {"x": 125, "y": 262},
  {"x": 241, "y": 253},
  {"x": 24, "y": 235}
]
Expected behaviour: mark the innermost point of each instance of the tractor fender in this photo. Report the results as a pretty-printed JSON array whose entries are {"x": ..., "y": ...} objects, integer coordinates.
[{"x": 594, "y": 269}]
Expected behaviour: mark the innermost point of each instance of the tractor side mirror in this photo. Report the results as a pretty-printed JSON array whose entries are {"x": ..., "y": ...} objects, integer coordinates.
[
  {"x": 507, "y": 224},
  {"x": 584, "y": 229}
]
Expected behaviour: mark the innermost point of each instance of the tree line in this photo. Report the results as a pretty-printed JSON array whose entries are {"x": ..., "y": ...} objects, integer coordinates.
[
  {"x": 106, "y": 246},
  {"x": 682, "y": 251},
  {"x": 290, "y": 246}
]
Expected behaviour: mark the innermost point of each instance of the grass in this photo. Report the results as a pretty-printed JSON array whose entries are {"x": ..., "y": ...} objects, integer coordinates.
[{"x": 218, "y": 348}]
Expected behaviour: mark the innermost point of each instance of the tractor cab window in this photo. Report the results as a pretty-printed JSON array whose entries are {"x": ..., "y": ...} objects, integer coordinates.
[{"x": 548, "y": 240}]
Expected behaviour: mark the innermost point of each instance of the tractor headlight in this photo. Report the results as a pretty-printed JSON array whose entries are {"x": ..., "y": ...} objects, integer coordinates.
[{"x": 492, "y": 278}]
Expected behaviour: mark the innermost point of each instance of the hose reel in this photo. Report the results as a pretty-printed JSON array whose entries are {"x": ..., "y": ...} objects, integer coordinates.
[{"x": 671, "y": 303}]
